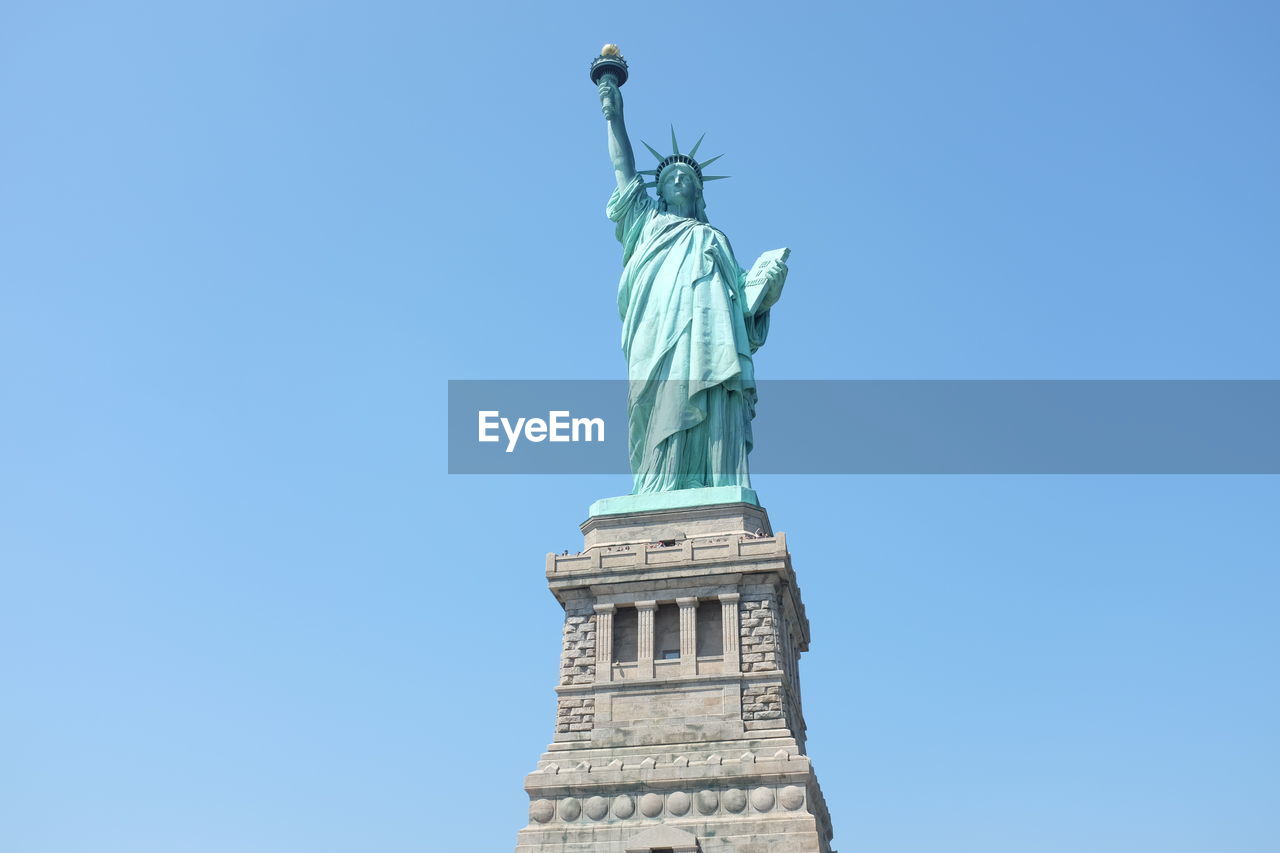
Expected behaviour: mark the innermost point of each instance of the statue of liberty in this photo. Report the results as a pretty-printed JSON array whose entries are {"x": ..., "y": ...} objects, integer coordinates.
[{"x": 691, "y": 318}]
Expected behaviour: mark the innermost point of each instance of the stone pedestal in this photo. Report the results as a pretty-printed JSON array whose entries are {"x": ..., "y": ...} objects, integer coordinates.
[{"x": 679, "y": 723}]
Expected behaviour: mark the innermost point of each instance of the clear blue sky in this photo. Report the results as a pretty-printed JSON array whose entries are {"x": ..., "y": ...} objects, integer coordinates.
[{"x": 243, "y": 246}]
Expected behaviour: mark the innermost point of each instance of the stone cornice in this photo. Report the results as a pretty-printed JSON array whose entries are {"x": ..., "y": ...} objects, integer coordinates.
[{"x": 645, "y": 684}]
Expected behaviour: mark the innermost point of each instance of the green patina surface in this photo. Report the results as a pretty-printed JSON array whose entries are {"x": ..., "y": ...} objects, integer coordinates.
[
  {"x": 677, "y": 499},
  {"x": 692, "y": 319}
]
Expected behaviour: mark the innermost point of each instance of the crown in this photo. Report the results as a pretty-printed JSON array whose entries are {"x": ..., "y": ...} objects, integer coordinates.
[{"x": 675, "y": 157}]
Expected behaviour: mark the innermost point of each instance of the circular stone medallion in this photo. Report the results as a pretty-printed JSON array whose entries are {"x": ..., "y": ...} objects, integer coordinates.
[
  {"x": 651, "y": 805},
  {"x": 678, "y": 803},
  {"x": 623, "y": 806},
  {"x": 597, "y": 807},
  {"x": 707, "y": 802},
  {"x": 735, "y": 800},
  {"x": 570, "y": 808},
  {"x": 762, "y": 799},
  {"x": 791, "y": 797},
  {"x": 542, "y": 810}
]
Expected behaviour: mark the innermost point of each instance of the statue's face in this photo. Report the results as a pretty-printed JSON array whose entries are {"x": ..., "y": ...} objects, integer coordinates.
[{"x": 679, "y": 185}]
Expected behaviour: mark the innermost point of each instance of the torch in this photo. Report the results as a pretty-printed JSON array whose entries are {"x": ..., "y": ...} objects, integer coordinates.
[{"x": 609, "y": 64}]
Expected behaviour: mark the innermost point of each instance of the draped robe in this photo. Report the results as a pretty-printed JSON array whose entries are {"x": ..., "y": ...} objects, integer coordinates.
[{"x": 688, "y": 342}]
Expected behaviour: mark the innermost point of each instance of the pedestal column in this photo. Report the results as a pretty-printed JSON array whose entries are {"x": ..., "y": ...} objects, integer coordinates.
[
  {"x": 644, "y": 642},
  {"x": 688, "y": 635},
  {"x": 604, "y": 641},
  {"x": 729, "y": 622}
]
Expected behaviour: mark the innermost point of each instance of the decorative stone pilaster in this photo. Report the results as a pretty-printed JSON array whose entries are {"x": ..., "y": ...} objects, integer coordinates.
[
  {"x": 644, "y": 642},
  {"x": 729, "y": 625},
  {"x": 604, "y": 641},
  {"x": 688, "y": 635}
]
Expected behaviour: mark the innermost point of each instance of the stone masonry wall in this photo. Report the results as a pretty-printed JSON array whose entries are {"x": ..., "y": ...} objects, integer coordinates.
[
  {"x": 766, "y": 649},
  {"x": 575, "y": 714},
  {"x": 578, "y": 659},
  {"x": 762, "y": 702},
  {"x": 772, "y": 706},
  {"x": 759, "y": 621}
]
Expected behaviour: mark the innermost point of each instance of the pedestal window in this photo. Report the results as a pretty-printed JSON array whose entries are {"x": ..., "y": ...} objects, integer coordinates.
[
  {"x": 710, "y": 633},
  {"x": 626, "y": 635}
]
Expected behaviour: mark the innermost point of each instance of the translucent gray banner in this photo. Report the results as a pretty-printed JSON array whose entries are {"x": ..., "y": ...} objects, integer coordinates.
[{"x": 895, "y": 427}]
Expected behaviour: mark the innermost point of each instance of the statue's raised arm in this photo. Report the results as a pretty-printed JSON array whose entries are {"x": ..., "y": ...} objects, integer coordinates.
[{"x": 624, "y": 159}]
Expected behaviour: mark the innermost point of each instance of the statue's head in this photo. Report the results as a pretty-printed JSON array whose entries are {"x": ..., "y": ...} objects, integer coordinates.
[
  {"x": 679, "y": 178},
  {"x": 678, "y": 186}
]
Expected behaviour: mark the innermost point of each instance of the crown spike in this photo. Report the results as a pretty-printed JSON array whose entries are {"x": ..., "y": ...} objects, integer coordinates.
[
  {"x": 675, "y": 147},
  {"x": 694, "y": 149},
  {"x": 707, "y": 163},
  {"x": 650, "y": 184},
  {"x": 706, "y": 178},
  {"x": 652, "y": 151}
]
